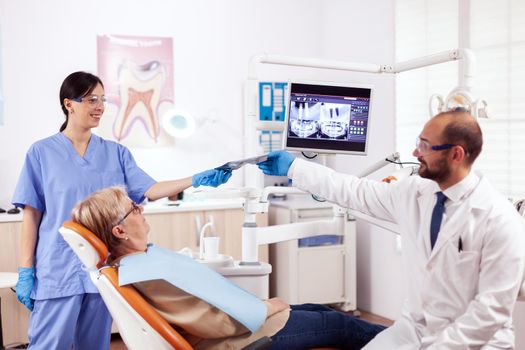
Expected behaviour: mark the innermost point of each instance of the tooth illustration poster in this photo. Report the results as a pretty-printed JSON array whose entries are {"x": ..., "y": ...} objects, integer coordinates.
[{"x": 137, "y": 73}]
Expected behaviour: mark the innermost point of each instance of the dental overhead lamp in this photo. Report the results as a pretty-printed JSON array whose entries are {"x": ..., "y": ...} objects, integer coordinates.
[{"x": 458, "y": 98}]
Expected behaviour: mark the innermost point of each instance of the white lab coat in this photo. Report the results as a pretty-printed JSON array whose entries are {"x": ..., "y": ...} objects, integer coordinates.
[{"x": 457, "y": 299}]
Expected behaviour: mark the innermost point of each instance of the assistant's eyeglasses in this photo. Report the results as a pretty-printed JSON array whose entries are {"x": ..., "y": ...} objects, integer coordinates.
[
  {"x": 92, "y": 100},
  {"x": 135, "y": 208}
]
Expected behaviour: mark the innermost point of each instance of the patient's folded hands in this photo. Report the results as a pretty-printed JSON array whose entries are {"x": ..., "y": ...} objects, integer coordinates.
[{"x": 276, "y": 305}]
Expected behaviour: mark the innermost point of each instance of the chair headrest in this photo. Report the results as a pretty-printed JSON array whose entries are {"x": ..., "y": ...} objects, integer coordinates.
[{"x": 88, "y": 247}]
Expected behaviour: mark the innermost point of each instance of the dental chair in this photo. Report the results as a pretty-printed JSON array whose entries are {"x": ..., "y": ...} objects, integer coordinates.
[{"x": 139, "y": 324}]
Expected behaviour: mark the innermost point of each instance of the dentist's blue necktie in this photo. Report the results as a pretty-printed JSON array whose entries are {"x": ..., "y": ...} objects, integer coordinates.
[{"x": 437, "y": 217}]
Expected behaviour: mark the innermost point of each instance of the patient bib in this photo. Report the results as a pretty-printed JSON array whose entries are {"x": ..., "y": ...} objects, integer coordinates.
[{"x": 196, "y": 279}]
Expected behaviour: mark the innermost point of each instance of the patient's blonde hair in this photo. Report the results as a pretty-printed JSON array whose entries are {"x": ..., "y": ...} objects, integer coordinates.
[{"x": 101, "y": 211}]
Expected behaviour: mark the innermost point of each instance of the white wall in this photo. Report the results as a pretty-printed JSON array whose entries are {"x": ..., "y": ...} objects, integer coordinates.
[
  {"x": 43, "y": 41},
  {"x": 380, "y": 278},
  {"x": 213, "y": 41}
]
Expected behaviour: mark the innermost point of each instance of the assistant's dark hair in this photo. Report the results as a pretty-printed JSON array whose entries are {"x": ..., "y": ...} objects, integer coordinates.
[
  {"x": 76, "y": 85},
  {"x": 462, "y": 129}
]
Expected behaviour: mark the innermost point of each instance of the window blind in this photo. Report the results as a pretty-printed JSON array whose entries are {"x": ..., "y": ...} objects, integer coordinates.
[
  {"x": 496, "y": 33},
  {"x": 497, "y": 36},
  {"x": 422, "y": 27}
]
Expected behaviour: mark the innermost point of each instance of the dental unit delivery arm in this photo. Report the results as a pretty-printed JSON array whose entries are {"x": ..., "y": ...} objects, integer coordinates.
[{"x": 253, "y": 236}]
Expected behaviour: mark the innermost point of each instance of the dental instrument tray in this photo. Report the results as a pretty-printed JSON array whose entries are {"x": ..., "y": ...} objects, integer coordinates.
[{"x": 236, "y": 164}]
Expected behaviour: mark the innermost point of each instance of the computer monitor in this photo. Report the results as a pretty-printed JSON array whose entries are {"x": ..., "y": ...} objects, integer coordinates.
[{"x": 328, "y": 118}]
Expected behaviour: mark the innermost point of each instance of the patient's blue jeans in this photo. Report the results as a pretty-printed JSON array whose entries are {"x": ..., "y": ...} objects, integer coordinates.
[{"x": 312, "y": 325}]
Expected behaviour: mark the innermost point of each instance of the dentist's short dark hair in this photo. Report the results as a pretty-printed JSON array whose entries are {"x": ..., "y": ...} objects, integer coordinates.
[{"x": 463, "y": 129}]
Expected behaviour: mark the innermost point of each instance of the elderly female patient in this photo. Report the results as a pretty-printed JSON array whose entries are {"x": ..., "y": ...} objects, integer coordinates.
[{"x": 191, "y": 297}]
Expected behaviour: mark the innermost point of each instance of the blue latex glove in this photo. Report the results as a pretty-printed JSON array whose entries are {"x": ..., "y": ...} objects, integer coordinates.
[
  {"x": 24, "y": 286},
  {"x": 213, "y": 178},
  {"x": 277, "y": 164}
]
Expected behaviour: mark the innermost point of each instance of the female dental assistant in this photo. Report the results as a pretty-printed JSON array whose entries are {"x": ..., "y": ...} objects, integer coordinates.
[{"x": 58, "y": 172}]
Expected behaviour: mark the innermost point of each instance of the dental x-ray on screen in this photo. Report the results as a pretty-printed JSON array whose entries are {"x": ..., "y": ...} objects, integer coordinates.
[{"x": 328, "y": 118}]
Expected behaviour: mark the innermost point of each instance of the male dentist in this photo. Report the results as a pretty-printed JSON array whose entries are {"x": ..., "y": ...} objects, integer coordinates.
[{"x": 463, "y": 242}]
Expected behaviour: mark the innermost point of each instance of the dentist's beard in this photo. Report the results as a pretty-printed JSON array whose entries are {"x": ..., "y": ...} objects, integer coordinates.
[{"x": 439, "y": 172}]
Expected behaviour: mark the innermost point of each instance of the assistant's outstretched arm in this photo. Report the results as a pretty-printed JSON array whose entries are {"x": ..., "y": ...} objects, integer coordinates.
[{"x": 212, "y": 177}]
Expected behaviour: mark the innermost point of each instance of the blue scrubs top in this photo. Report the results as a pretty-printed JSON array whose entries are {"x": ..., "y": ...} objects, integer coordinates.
[{"x": 53, "y": 179}]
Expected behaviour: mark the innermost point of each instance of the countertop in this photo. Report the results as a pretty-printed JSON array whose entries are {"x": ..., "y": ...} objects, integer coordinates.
[
  {"x": 4, "y": 217},
  {"x": 165, "y": 206}
]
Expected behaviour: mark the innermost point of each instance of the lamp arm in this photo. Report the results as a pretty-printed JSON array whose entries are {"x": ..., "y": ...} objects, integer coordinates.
[
  {"x": 312, "y": 63},
  {"x": 466, "y": 56}
]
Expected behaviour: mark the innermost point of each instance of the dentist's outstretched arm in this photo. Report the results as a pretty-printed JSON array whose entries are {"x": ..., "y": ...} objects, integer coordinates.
[{"x": 277, "y": 164}]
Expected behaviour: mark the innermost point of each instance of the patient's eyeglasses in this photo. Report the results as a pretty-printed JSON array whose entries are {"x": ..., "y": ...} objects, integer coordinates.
[
  {"x": 135, "y": 208},
  {"x": 92, "y": 100}
]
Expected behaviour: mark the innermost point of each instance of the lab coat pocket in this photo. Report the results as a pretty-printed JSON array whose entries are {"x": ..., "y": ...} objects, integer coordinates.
[{"x": 466, "y": 274}]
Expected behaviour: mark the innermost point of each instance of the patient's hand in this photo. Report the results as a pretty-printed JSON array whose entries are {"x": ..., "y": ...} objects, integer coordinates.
[{"x": 276, "y": 305}]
